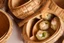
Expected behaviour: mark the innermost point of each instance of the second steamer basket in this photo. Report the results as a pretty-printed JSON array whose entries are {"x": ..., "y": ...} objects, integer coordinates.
[{"x": 31, "y": 29}]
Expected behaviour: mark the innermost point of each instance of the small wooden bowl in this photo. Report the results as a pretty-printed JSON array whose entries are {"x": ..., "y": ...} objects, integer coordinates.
[
  {"x": 28, "y": 27},
  {"x": 24, "y": 8},
  {"x": 5, "y": 26}
]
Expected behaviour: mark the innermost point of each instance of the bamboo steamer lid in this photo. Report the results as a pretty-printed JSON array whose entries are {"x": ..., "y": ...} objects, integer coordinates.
[
  {"x": 26, "y": 8},
  {"x": 5, "y": 26},
  {"x": 28, "y": 26}
]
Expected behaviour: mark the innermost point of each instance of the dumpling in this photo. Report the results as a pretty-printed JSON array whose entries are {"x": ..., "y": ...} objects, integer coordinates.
[
  {"x": 41, "y": 35},
  {"x": 54, "y": 23},
  {"x": 48, "y": 16},
  {"x": 44, "y": 25}
]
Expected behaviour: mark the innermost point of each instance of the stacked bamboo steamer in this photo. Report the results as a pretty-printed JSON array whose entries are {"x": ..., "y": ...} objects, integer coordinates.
[
  {"x": 5, "y": 26},
  {"x": 24, "y": 12},
  {"x": 43, "y": 8},
  {"x": 55, "y": 9},
  {"x": 26, "y": 9}
]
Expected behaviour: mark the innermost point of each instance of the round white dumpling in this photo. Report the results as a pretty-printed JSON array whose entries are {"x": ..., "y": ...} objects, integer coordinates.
[
  {"x": 43, "y": 25},
  {"x": 41, "y": 35},
  {"x": 54, "y": 24},
  {"x": 48, "y": 16}
]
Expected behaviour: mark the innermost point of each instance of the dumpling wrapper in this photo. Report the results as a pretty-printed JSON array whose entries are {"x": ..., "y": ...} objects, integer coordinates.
[
  {"x": 41, "y": 35},
  {"x": 44, "y": 25}
]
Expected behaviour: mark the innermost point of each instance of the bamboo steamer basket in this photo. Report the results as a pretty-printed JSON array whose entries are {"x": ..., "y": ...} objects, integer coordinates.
[
  {"x": 5, "y": 26},
  {"x": 27, "y": 27},
  {"x": 42, "y": 9},
  {"x": 24, "y": 8}
]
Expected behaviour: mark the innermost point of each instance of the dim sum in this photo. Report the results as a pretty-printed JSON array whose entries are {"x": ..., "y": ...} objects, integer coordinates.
[
  {"x": 43, "y": 25},
  {"x": 41, "y": 35}
]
